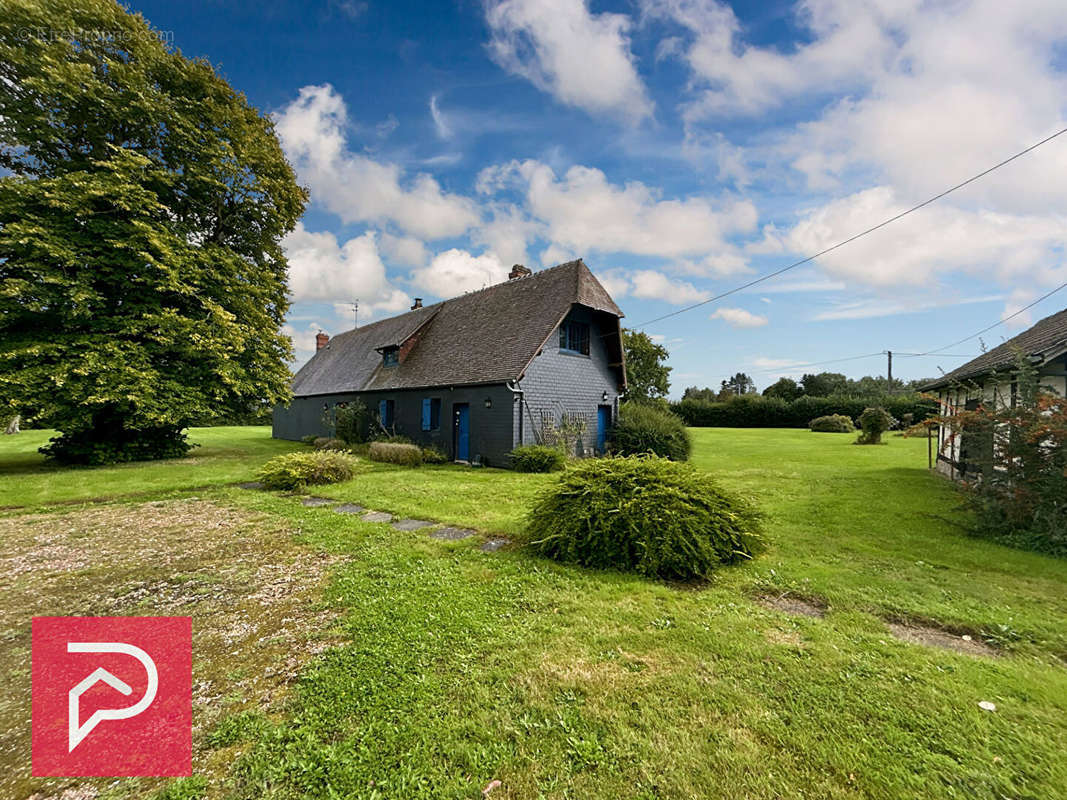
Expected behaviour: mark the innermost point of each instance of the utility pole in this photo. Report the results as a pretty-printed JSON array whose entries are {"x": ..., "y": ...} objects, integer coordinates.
[
  {"x": 355, "y": 314},
  {"x": 889, "y": 373}
]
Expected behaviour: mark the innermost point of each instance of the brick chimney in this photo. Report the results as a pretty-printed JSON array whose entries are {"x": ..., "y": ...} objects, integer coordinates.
[
  {"x": 417, "y": 303},
  {"x": 321, "y": 340},
  {"x": 518, "y": 271}
]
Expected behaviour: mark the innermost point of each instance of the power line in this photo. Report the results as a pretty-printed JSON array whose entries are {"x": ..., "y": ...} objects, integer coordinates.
[
  {"x": 996, "y": 324},
  {"x": 791, "y": 367},
  {"x": 939, "y": 355},
  {"x": 853, "y": 238}
]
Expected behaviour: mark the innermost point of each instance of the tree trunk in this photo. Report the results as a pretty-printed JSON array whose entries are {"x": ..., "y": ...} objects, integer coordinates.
[{"x": 13, "y": 426}]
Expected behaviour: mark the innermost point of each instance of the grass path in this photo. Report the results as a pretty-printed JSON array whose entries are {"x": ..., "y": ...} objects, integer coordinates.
[{"x": 455, "y": 667}]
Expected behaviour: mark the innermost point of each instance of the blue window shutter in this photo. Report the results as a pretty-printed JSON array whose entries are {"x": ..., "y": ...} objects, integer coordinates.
[
  {"x": 382, "y": 409},
  {"x": 426, "y": 414}
]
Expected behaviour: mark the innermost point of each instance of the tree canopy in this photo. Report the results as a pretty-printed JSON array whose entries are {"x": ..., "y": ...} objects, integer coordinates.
[
  {"x": 785, "y": 388},
  {"x": 739, "y": 383},
  {"x": 647, "y": 377},
  {"x": 142, "y": 278}
]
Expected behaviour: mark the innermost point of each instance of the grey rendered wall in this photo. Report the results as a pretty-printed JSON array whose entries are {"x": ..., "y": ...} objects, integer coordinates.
[
  {"x": 558, "y": 382},
  {"x": 491, "y": 429}
]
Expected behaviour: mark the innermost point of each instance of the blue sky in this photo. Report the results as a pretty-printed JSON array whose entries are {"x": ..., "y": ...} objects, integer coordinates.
[{"x": 681, "y": 147}]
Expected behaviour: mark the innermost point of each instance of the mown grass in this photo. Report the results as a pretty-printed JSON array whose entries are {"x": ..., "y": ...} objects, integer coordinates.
[
  {"x": 458, "y": 667},
  {"x": 224, "y": 455}
]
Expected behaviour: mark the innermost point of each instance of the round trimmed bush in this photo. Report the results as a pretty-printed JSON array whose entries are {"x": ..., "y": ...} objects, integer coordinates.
[
  {"x": 832, "y": 423},
  {"x": 873, "y": 423},
  {"x": 647, "y": 514},
  {"x": 647, "y": 428},
  {"x": 294, "y": 471},
  {"x": 537, "y": 458}
]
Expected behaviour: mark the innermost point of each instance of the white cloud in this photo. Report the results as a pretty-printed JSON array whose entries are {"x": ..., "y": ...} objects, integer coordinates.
[
  {"x": 440, "y": 123},
  {"x": 648, "y": 284},
  {"x": 405, "y": 250},
  {"x": 765, "y": 364},
  {"x": 851, "y": 41},
  {"x": 581, "y": 59},
  {"x": 909, "y": 97},
  {"x": 320, "y": 269},
  {"x": 583, "y": 211},
  {"x": 454, "y": 272},
  {"x": 888, "y": 307},
  {"x": 355, "y": 187},
  {"x": 940, "y": 239},
  {"x": 739, "y": 318},
  {"x": 615, "y": 282},
  {"x": 507, "y": 234}
]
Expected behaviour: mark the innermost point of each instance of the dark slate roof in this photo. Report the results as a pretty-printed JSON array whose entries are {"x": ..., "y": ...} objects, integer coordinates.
[
  {"x": 488, "y": 336},
  {"x": 1047, "y": 339}
]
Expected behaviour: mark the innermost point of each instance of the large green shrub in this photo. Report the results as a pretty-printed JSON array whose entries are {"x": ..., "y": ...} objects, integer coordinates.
[
  {"x": 352, "y": 422},
  {"x": 434, "y": 455},
  {"x": 873, "y": 423},
  {"x": 832, "y": 423},
  {"x": 537, "y": 458},
  {"x": 407, "y": 455},
  {"x": 648, "y": 428},
  {"x": 120, "y": 444},
  {"x": 647, "y": 514},
  {"x": 297, "y": 470}
]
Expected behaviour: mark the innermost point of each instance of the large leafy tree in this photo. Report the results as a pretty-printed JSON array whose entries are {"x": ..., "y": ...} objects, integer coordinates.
[
  {"x": 824, "y": 384},
  {"x": 142, "y": 279},
  {"x": 647, "y": 376},
  {"x": 785, "y": 388}
]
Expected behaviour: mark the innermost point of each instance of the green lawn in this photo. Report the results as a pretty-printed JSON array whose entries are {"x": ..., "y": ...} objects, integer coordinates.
[
  {"x": 224, "y": 455},
  {"x": 451, "y": 667}
]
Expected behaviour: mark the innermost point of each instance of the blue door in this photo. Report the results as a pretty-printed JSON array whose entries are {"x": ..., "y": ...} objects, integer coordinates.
[
  {"x": 461, "y": 431},
  {"x": 603, "y": 422}
]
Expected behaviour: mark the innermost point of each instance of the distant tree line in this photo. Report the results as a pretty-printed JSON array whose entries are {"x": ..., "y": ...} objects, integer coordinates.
[{"x": 822, "y": 384}]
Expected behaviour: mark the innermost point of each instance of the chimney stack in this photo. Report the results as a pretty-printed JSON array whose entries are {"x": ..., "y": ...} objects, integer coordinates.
[
  {"x": 321, "y": 340},
  {"x": 518, "y": 271},
  {"x": 417, "y": 303}
]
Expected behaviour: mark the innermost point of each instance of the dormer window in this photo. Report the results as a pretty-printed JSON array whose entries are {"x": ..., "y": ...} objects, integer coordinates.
[
  {"x": 574, "y": 338},
  {"x": 390, "y": 356}
]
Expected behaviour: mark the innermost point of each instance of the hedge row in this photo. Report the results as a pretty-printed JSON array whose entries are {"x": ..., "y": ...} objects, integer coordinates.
[{"x": 757, "y": 411}]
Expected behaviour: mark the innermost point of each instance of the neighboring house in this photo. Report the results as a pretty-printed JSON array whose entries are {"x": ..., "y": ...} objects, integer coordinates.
[
  {"x": 477, "y": 375},
  {"x": 990, "y": 380}
]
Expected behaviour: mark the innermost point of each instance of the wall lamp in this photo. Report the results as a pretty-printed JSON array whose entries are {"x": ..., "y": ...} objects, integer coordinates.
[
  {"x": 604, "y": 397},
  {"x": 489, "y": 402}
]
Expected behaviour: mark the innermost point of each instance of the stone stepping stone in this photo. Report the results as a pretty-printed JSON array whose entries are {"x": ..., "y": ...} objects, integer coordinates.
[
  {"x": 349, "y": 508},
  {"x": 251, "y": 485},
  {"x": 316, "y": 502},
  {"x": 452, "y": 534},
  {"x": 411, "y": 524},
  {"x": 494, "y": 544},
  {"x": 377, "y": 516}
]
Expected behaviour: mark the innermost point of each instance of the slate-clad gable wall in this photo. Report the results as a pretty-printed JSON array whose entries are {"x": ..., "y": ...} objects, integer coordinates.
[
  {"x": 490, "y": 428},
  {"x": 558, "y": 382}
]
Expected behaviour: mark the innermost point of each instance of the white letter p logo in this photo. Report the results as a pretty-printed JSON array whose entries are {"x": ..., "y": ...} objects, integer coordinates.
[{"x": 76, "y": 732}]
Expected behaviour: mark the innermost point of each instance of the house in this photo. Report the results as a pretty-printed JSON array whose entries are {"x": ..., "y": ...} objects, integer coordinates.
[
  {"x": 991, "y": 379},
  {"x": 480, "y": 374}
]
